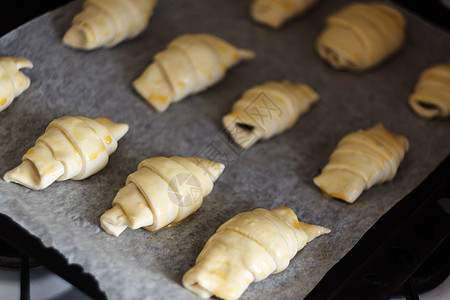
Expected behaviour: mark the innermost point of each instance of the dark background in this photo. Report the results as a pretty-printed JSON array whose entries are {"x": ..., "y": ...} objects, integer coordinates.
[{"x": 14, "y": 13}]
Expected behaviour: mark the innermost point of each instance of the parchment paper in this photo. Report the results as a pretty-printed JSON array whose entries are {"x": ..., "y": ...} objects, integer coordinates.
[{"x": 143, "y": 265}]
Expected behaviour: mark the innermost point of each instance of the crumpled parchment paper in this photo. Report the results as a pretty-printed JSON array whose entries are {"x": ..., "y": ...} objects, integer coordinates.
[{"x": 143, "y": 265}]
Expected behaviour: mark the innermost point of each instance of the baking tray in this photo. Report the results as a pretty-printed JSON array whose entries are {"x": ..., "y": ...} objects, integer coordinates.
[{"x": 92, "y": 83}]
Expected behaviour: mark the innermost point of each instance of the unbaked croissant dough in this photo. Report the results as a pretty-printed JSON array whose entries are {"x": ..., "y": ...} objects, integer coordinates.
[
  {"x": 163, "y": 191},
  {"x": 361, "y": 35},
  {"x": 12, "y": 81},
  {"x": 362, "y": 159},
  {"x": 106, "y": 23},
  {"x": 248, "y": 247},
  {"x": 431, "y": 97},
  {"x": 190, "y": 64},
  {"x": 275, "y": 13},
  {"x": 71, "y": 148},
  {"x": 266, "y": 110}
]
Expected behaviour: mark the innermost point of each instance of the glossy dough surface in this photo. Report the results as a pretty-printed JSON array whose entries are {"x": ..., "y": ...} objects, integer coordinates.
[
  {"x": 248, "y": 247},
  {"x": 190, "y": 64},
  {"x": 275, "y": 13},
  {"x": 71, "y": 148},
  {"x": 12, "y": 81},
  {"x": 106, "y": 23},
  {"x": 361, "y": 35},
  {"x": 362, "y": 159},
  {"x": 267, "y": 110},
  {"x": 431, "y": 97},
  {"x": 163, "y": 191}
]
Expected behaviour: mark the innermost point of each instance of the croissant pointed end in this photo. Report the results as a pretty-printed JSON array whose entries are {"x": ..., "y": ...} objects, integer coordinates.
[
  {"x": 114, "y": 221},
  {"x": 22, "y": 63},
  {"x": 313, "y": 231},
  {"x": 310, "y": 94},
  {"x": 193, "y": 286},
  {"x": 27, "y": 175},
  {"x": 267, "y": 15},
  {"x": 118, "y": 130},
  {"x": 215, "y": 169},
  {"x": 78, "y": 38},
  {"x": 246, "y": 54},
  {"x": 218, "y": 277}
]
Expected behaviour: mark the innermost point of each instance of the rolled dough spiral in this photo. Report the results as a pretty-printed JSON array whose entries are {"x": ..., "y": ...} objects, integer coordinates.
[
  {"x": 275, "y": 13},
  {"x": 361, "y": 35},
  {"x": 190, "y": 64},
  {"x": 267, "y": 110},
  {"x": 106, "y": 23},
  {"x": 71, "y": 148},
  {"x": 163, "y": 191},
  {"x": 431, "y": 97},
  {"x": 248, "y": 247},
  {"x": 362, "y": 159}
]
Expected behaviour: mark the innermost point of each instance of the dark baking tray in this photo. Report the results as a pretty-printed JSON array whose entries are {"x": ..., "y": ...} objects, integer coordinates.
[{"x": 378, "y": 266}]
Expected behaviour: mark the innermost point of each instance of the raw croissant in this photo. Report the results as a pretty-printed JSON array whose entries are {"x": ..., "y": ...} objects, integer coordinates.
[
  {"x": 12, "y": 81},
  {"x": 275, "y": 13},
  {"x": 431, "y": 97},
  {"x": 190, "y": 64},
  {"x": 248, "y": 247},
  {"x": 362, "y": 159},
  {"x": 71, "y": 148},
  {"x": 266, "y": 110},
  {"x": 106, "y": 23},
  {"x": 163, "y": 191},
  {"x": 361, "y": 35}
]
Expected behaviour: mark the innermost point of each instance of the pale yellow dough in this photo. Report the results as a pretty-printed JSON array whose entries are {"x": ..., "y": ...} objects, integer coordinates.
[
  {"x": 362, "y": 159},
  {"x": 361, "y": 35},
  {"x": 12, "y": 81},
  {"x": 163, "y": 191},
  {"x": 248, "y": 247},
  {"x": 275, "y": 13},
  {"x": 431, "y": 97},
  {"x": 190, "y": 64},
  {"x": 71, "y": 148},
  {"x": 106, "y": 23},
  {"x": 267, "y": 110}
]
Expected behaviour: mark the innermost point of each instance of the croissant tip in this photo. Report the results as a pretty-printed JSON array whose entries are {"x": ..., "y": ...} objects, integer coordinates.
[
  {"x": 216, "y": 170},
  {"x": 194, "y": 286},
  {"x": 27, "y": 175},
  {"x": 213, "y": 168},
  {"x": 22, "y": 62},
  {"x": 77, "y": 38},
  {"x": 313, "y": 231},
  {"x": 120, "y": 130},
  {"x": 246, "y": 54},
  {"x": 309, "y": 93},
  {"x": 117, "y": 129},
  {"x": 267, "y": 15},
  {"x": 114, "y": 221}
]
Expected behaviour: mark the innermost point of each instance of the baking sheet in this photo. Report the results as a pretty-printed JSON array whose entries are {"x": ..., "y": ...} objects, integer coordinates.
[{"x": 143, "y": 265}]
